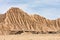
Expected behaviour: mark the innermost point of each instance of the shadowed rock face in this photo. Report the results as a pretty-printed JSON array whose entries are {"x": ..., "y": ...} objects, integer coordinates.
[{"x": 16, "y": 21}]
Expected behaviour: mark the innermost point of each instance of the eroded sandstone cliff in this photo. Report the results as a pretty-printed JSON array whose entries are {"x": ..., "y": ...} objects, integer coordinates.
[{"x": 15, "y": 20}]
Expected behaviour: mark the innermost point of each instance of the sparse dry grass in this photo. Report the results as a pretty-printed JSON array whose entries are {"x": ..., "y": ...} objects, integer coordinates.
[{"x": 25, "y": 36}]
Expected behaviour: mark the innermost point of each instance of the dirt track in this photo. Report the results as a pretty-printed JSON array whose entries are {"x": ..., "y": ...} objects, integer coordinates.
[{"x": 31, "y": 37}]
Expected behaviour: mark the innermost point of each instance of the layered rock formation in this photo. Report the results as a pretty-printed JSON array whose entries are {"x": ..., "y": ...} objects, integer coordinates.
[{"x": 15, "y": 20}]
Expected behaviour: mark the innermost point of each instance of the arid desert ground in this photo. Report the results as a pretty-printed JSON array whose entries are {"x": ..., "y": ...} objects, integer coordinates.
[{"x": 26, "y": 36}]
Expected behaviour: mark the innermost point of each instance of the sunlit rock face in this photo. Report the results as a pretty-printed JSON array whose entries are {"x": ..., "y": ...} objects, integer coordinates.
[{"x": 15, "y": 20}]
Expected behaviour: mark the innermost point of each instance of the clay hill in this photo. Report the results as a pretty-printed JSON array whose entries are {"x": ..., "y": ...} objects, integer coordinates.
[{"x": 16, "y": 21}]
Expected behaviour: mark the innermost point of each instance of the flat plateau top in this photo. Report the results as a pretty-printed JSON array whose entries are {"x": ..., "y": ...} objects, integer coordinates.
[{"x": 31, "y": 37}]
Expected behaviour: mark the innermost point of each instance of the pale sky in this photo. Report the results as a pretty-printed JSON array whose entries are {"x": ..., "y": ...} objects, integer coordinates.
[{"x": 50, "y": 9}]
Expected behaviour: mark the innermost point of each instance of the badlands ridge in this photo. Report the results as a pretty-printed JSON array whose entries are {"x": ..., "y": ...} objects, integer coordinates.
[{"x": 15, "y": 21}]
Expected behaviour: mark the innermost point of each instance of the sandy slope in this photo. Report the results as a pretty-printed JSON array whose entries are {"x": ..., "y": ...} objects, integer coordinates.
[{"x": 31, "y": 37}]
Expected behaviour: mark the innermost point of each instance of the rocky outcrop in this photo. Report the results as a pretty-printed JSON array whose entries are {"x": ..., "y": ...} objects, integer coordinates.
[{"x": 15, "y": 20}]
